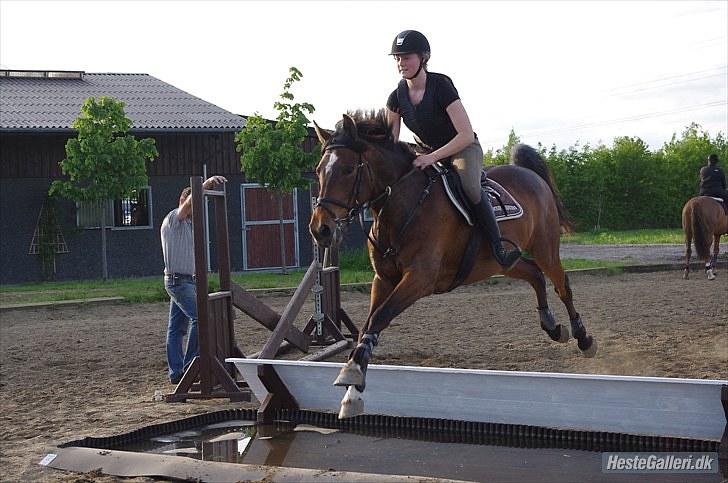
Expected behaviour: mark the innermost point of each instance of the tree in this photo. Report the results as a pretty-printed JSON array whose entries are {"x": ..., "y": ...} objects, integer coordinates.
[
  {"x": 272, "y": 153},
  {"x": 502, "y": 155},
  {"x": 103, "y": 162}
]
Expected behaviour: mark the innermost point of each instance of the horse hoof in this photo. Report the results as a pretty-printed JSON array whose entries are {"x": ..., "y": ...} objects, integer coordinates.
[
  {"x": 686, "y": 276},
  {"x": 590, "y": 351},
  {"x": 711, "y": 274},
  {"x": 563, "y": 334},
  {"x": 352, "y": 404},
  {"x": 350, "y": 375}
]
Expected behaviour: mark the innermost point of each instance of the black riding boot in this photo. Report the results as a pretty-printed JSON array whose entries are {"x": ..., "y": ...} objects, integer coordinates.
[{"x": 486, "y": 218}]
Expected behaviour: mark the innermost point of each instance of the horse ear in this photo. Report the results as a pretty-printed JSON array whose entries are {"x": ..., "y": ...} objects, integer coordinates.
[
  {"x": 322, "y": 135},
  {"x": 350, "y": 126}
]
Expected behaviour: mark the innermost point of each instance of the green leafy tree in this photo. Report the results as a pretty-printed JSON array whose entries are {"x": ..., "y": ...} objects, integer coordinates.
[
  {"x": 502, "y": 155},
  {"x": 103, "y": 162},
  {"x": 272, "y": 153},
  {"x": 682, "y": 159}
]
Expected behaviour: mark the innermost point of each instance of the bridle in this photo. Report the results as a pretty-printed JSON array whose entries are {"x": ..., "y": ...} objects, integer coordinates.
[
  {"x": 354, "y": 208},
  {"x": 357, "y": 208}
]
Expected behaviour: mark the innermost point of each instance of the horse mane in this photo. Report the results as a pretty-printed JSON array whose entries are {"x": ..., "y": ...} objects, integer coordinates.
[{"x": 372, "y": 127}]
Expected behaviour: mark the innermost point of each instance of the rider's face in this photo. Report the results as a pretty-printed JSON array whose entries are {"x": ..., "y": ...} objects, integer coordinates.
[{"x": 407, "y": 64}]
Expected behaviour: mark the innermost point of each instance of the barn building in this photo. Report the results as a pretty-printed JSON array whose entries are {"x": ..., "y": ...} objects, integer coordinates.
[{"x": 193, "y": 137}]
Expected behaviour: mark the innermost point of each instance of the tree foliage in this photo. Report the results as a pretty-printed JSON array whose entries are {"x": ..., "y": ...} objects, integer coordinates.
[
  {"x": 103, "y": 162},
  {"x": 625, "y": 185},
  {"x": 272, "y": 153}
]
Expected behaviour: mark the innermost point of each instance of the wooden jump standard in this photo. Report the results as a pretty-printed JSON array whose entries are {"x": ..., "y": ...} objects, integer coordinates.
[{"x": 209, "y": 376}]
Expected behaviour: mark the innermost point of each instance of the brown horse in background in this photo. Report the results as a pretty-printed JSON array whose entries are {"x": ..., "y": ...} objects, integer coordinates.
[
  {"x": 418, "y": 240},
  {"x": 704, "y": 221}
]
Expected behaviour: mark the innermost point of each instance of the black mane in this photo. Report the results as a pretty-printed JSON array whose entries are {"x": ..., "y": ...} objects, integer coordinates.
[{"x": 372, "y": 127}]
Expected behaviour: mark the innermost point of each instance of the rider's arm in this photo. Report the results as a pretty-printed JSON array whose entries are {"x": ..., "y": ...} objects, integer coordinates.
[
  {"x": 464, "y": 136},
  {"x": 395, "y": 122},
  {"x": 185, "y": 209}
]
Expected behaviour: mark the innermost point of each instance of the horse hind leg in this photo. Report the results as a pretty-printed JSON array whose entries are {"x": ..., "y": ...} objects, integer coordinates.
[
  {"x": 586, "y": 343},
  {"x": 711, "y": 266},
  {"x": 528, "y": 270},
  {"x": 688, "y": 253}
]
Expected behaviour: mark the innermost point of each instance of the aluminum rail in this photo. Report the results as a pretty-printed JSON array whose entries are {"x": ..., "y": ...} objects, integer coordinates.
[{"x": 648, "y": 406}]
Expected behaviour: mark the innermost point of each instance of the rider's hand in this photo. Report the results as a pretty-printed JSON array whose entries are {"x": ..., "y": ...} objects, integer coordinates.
[{"x": 424, "y": 160}]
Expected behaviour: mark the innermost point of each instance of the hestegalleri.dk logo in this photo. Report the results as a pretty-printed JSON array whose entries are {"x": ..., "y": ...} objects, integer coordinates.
[{"x": 660, "y": 462}]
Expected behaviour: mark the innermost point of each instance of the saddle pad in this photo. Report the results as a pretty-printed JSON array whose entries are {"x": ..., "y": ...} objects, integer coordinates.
[{"x": 498, "y": 196}]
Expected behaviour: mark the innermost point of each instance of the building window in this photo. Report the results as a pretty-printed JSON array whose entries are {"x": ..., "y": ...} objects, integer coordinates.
[{"x": 132, "y": 212}]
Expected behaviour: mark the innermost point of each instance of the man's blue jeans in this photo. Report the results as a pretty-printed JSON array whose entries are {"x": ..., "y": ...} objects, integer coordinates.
[{"x": 182, "y": 310}]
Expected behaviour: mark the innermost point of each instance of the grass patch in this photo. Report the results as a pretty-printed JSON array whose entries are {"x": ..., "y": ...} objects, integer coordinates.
[{"x": 627, "y": 237}]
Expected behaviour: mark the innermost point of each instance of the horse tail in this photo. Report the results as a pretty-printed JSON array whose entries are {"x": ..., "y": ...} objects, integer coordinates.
[
  {"x": 525, "y": 156},
  {"x": 701, "y": 235}
]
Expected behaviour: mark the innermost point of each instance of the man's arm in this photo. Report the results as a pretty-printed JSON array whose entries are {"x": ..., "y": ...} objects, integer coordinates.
[{"x": 185, "y": 209}]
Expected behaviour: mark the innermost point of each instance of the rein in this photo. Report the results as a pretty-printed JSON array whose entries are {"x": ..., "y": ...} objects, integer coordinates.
[{"x": 355, "y": 208}]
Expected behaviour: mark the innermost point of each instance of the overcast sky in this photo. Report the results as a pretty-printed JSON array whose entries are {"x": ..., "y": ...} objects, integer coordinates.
[{"x": 556, "y": 72}]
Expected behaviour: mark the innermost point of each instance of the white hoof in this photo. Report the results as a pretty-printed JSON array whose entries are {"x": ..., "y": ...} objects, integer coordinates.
[
  {"x": 352, "y": 404},
  {"x": 591, "y": 351},
  {"x": 711, "y": 274},
  {"x": 350, "y": 375}
]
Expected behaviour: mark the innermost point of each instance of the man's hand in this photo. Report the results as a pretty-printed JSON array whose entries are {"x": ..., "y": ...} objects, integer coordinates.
[
  {"x": 424, "y": 160},
  {"x": 213, "y": 181}
]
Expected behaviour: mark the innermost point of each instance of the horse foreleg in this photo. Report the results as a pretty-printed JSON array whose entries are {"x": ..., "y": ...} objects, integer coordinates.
[
  {"x": 530, "y": 272},
  {"x": 353, "y": 374}
]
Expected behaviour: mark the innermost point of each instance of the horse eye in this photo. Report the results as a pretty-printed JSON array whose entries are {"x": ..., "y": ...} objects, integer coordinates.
[{"x": 347, "y": 170}]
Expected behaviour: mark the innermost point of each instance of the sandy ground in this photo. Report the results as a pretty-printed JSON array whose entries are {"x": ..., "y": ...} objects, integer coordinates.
[{"x": 72, "y": 372}]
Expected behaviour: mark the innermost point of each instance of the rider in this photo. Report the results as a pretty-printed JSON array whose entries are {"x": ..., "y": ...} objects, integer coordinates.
[
  {"x": 431, "y": 108},
  {"x": 712, "y": 180}
]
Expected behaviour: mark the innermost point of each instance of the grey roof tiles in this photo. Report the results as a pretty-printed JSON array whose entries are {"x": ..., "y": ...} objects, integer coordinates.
[{"x": 30, "y": 103}]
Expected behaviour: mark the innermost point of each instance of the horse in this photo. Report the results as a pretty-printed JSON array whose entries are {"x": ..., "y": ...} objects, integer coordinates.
[
  {"x": 417, "y": 239},
  {"x": 704, "y": 221}
]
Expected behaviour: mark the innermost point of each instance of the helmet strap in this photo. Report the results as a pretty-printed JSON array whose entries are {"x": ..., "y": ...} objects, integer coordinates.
[{"x": 416, "y": 73}]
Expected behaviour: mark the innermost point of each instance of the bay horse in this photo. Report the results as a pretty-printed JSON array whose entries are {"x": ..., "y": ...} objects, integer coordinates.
[
  {"x": 704, "y": 221},
  {"x": 417, "y": 240}
]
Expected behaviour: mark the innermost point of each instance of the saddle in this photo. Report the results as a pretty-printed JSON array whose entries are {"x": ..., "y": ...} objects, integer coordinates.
[
  {"x": 723, "y": 203},
  {"x": 505, "y": 206}
]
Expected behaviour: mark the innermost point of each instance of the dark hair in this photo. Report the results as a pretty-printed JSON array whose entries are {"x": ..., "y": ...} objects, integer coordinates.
[{"x": 713, "y": 158}]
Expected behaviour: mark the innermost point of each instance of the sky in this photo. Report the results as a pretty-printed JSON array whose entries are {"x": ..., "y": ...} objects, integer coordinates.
[{"x": 557, "y": 73}]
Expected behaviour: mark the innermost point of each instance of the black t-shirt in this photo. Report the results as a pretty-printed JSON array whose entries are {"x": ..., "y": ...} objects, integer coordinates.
[
  {"x": 712, "y": 181},
  {"x": 428, "y": 120}
]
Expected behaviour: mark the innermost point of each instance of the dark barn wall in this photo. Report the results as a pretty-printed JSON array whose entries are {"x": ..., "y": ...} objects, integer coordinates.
[{"x": 29, "y": 163}]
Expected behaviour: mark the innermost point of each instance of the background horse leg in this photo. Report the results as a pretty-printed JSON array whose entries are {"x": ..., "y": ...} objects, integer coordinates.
[
  {"x": 528, "y": 270},
  {"x": 586, "y": 343},
  {"x": 412, "y": 287},
  {"x": 688, "y": 250},
  {"x": 711, "y": 271}
]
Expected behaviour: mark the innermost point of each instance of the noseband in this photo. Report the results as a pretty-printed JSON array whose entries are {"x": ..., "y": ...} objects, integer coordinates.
[{"x": 353, "y": 206}]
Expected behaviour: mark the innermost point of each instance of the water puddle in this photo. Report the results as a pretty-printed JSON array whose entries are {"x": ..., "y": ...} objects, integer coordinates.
[{"x": 305, "y": 446}]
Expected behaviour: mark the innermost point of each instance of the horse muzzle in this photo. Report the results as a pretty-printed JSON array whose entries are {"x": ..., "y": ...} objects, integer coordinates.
[{"x": 324, "y": 231}]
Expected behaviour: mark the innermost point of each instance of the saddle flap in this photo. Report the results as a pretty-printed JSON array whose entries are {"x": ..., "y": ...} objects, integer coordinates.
[{"x": 505, "y": 206}]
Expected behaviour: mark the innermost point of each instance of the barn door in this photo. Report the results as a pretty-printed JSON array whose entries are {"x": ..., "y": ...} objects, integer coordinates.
[{"x": 261, "y": 245}]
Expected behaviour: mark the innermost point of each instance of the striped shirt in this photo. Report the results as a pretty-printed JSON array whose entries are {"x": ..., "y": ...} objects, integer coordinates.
[{"x": 177, "y": 244}]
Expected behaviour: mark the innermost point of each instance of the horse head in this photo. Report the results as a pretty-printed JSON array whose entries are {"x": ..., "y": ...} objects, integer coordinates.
[{"x": 353, "y": 174}]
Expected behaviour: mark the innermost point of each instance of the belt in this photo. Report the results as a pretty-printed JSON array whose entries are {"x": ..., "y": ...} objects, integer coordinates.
[{"x": 181, "y": 276}]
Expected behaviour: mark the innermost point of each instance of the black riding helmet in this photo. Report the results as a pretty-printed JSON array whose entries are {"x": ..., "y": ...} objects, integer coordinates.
[{"x": 411, "y": 42}]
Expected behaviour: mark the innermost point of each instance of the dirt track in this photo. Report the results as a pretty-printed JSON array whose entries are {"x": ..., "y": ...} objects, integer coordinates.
[{"x": 73, "y": 372}]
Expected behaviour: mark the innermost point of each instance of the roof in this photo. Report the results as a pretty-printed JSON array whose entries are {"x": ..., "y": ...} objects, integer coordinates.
[{"x": 51, "y": 102}]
